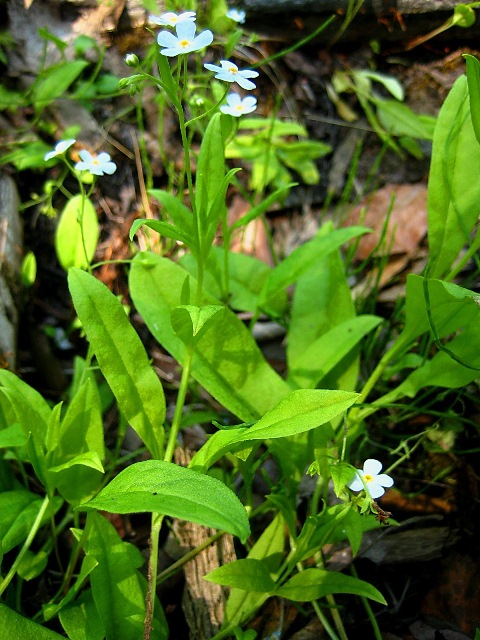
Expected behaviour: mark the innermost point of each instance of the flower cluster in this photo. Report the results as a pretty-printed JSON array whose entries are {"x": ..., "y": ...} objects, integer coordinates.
[
  {"x": 186, "y": 41},
  {"x": 96, "y": 165},
  {"x": 371, "y": 478}
]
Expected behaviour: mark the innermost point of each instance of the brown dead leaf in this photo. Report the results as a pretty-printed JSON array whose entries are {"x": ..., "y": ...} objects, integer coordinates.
[{"x": 407, "y": 224}]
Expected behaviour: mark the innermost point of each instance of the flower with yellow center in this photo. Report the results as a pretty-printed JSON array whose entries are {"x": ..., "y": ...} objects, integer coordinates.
[
  {"x": 371, "y": 477},
  {"x": 185, "y": 41},
  {"x": 236, "y": 106},
  {"x": 96, "y": 165},
  {"x": 229, "y": 72},
  {"x": 171, "y": 19}
]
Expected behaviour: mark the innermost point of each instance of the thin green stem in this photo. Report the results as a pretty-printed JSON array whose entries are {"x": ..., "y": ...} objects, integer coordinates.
[
  {"x": 26, "y": 545},
  {"x": 177, "y": 416},
  {"x": 157, "y": 520}
]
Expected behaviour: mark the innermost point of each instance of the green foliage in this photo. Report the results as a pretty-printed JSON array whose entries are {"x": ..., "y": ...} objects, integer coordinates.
[
  {"x": 452, "y": 195},
  {"x": 55, "y": 466},
  {"x": 164, "y": 487},
  {"x": 274, "y": 155},
  {"x": 122, "y": 358}
]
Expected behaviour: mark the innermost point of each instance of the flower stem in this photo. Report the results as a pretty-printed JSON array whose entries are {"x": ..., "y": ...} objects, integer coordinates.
[{"x": 26, "y": 545}]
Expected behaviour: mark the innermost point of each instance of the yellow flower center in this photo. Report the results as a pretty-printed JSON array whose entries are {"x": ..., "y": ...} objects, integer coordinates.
[
  {"x": 95, "y": 161},
  {"x": 239, "y": 107},
  {"x": 184, "y": 43},
  {"x": 233, "y": 70},
  {"x": 367, "y": 477}
]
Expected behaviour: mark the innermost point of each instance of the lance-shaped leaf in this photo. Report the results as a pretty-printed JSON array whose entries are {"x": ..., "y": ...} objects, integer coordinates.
[
  {"x": 248, "y": 574},
  {"x": 77, "y": 233},
  {"x": 164, "y": 487},
  {"x": 189, "y": 321},
  {"x": 473, "y": 80},
  {"x": 313, "y": 584},
  {"x": 226, "y": 361},
  {"x": 121, "y": 356},
  {"x": 16, "y": 626},
  {"x": 453, "y": 190}
]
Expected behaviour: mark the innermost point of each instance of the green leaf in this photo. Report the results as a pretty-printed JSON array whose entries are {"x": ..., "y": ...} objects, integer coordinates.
[
  {"x": 210, "y": 171},
  {"x": 453, "y": 193},
  {"x": 17, "y": 627},
  {"x": 165, "y": 229},
  {"x": 88, "y": 565},
  {"x": 322, "y": 300},
  {"x": 226, "y": 360},
  {"x": 181, "y": 215},
  {"x": 248, "y": 574},
  {"x": 164, "y": 487},
  {"x": 451, "y": 307},
  {"x": 313, "y": 584},
  {"x": 268, "y": 549},
  {"x": 391, "y": 84},
  {"x": 18, "y": 511},
  {"x": 118, "y": 588},
  {"x": 55, "y": 81},
  {"x": 313, "y": 364},
  {"x": 190, "y": 322},
  {"x": 80, "y": 438},
  {"x": 81, "y": 621},
  {"x": 32, "y": 564},
  {"x": 304, "y": 257},
  {"x": 13, "y": 436},
  {"x": 121, "y": 356},
  {"x": 473, "y": 81},
  {"x": 300, "y": 411},
  {"x": 74, "y": 247},
  {"x": 32, "y": 411},
  {"x": 29, "y": 269},
  {"x": 399, "y": 120}
]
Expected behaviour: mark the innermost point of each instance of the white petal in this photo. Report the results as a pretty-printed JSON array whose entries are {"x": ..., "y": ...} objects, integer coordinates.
[
  {"x": 186, "y": 30},
  {"x": 356, "y": 484},
  {"x": 212, "y": 67},
  {"x": 203, "y": 39},
  {"x": 250, "y": 101},
  {"x": 233, "y": 99},
  {"x": 375, "y": 490},
  {"x": 167, "y": 39},
  {"x": 243, "y": 82},
  {"x": 248, "y": 73},
  {"x": 372, "y": 467},
  {"x": 85, "y": 155},
  {"x": 384, "y": 480},
  {"x": 109, "y": 167}
]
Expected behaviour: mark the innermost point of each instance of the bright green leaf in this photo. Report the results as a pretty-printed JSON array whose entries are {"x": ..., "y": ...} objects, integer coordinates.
[
  {"x": 164, "y": 487},
  {"x": 74, "y": 247}
]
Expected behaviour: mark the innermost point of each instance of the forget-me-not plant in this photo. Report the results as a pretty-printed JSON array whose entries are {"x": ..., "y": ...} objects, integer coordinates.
[
  {"x": 59, "y": 148},
  {"x": 171, "y": 19},
  {"x": 237, "y": 106},
  {"x": 237, "y": 15},
  {"x": 371, "y": 477},
  {"x": 229, "y": 72},
  {"x": 185, "y": 41},
  {"x": 96, "y": 165}
]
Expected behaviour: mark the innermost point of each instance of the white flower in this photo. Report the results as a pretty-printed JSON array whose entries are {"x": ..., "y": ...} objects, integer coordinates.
[
  {"x": 171, "y": 19},
  {"x": 185, "y": 41},
  {"x": 237, "y": 15},
  {"x": 59, "y": 148},
  {"x": 372, "y": 477},
  {"x": 229, "y": 72},
  {"x": 96, "y": 165},
  {"x": 237, "y": 106}
]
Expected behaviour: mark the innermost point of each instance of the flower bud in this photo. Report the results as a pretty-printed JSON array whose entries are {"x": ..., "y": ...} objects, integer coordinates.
[{"x": 131, "y": 60}]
